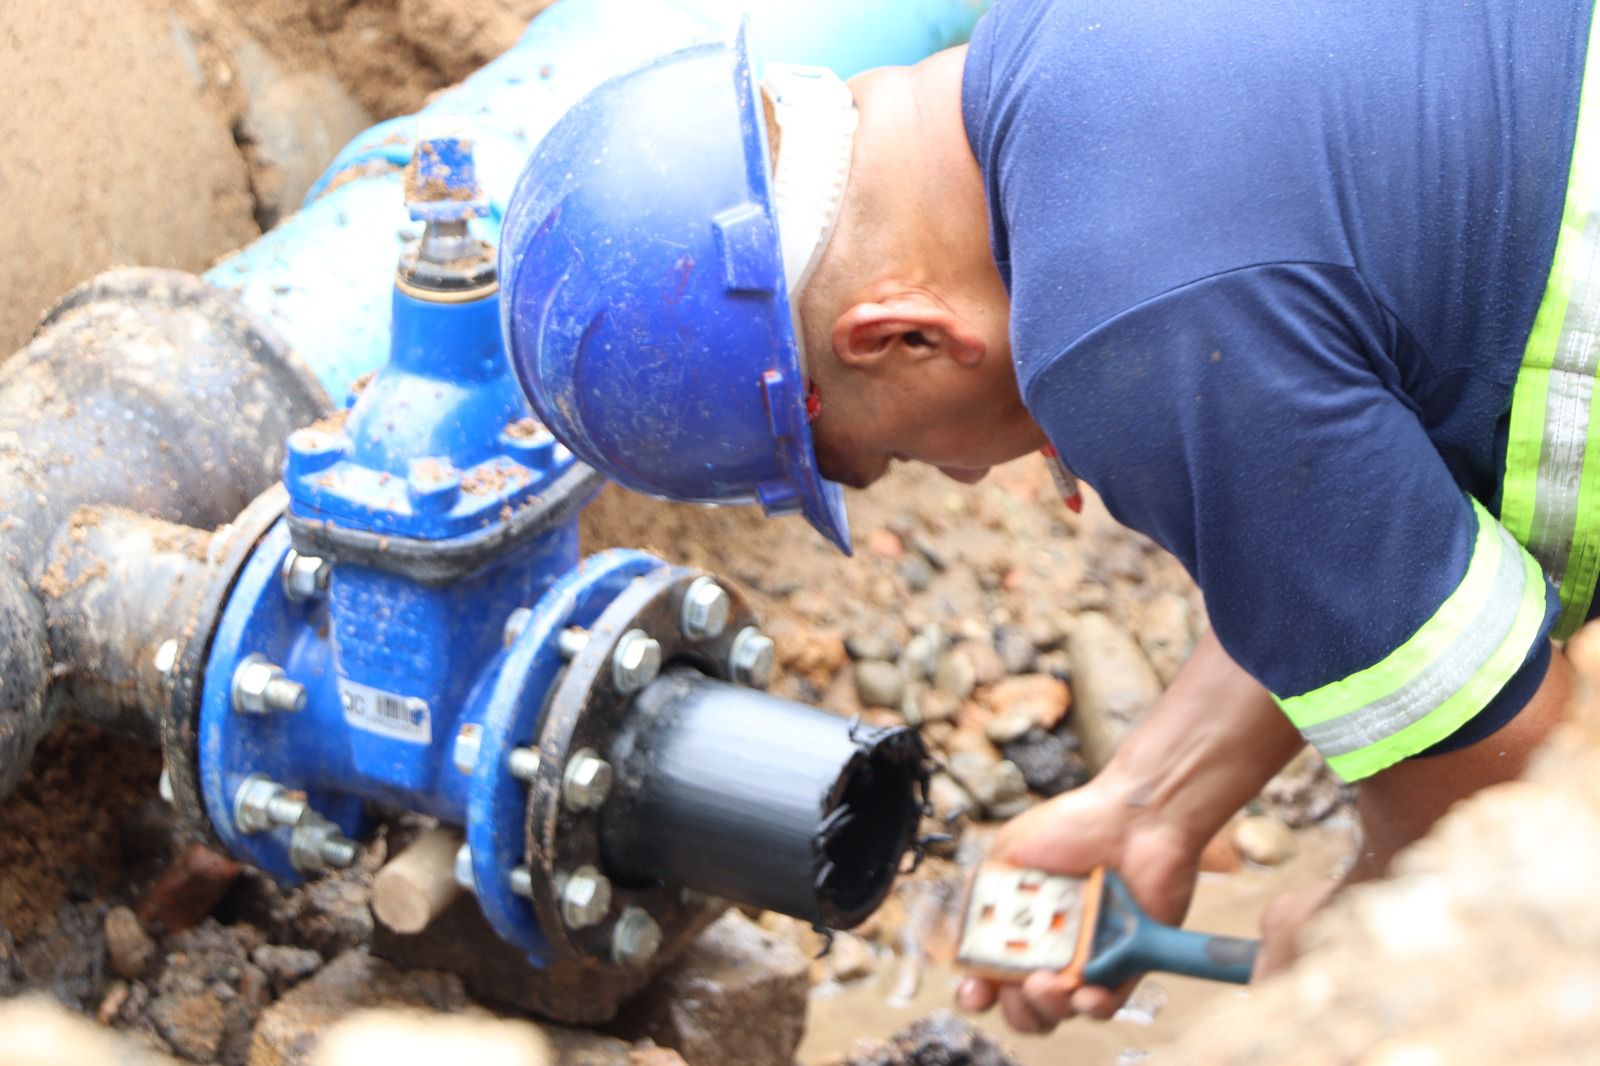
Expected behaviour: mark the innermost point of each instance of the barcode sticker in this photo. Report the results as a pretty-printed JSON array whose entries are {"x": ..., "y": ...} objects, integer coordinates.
[{"x": 386, "y": 713}]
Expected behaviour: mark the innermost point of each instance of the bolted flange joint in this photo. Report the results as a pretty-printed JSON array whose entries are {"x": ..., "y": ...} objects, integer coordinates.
[
  {"x": 752, "y": 657},
  {"x": 260, "y": 687},
  {"x": 261, "y": 804},
  {"x": 636, "y": 661},
  {"x": 704, "y": 614},
  {"x": 586, "y": 782}
]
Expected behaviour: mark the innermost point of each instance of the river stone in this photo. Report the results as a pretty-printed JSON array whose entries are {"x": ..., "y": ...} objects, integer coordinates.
[
  {"x": 1113, "y": 686},
  {"x": 737, "y": 998},
  {"x": 1049, "y": 762},
  {"x": 879, "y": 684},
  {"x": 1016, "y": 651},
  {"x": 128, "y": 946},
  {"x": 955, "y": 674}
]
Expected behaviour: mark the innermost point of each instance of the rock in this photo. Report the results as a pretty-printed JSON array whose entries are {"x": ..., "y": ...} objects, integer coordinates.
[
  {"x": 128, "y": 947},
  {"x": 955, "y": 674},
  {"x": 1164, "y": 633},
  {"x": 921, "y": 653},
  {"x": 1306, "y": 792},
  {"x": 936, "y": 706},
  {"x": 189, "y": 890},
  {"x": 286, "y": 966},
  {"x": 585, "y": 1047},
  {"x": 1263, "y": 840},
  {"x": 1049, "y": 762},
  {"x": 1044, "y": 632},
  {"x": 289, "y": 1029},
  {"x": 870, "y": 646},
  {"x": 192, "y": 1024},
  {"x": 813, "y": 654},
  {"x": 655, "y": 1056},
  {"x": 1039, "y": 699},
  {"x": 940, "y": 1039},
  {"x": 849, "y": 958},
  {"x": 950, "y": 801},
  {"x": 1003, "y": 728},
  {"x": 1113, "y": 686},
  {"x": 1016, "y": 651},
  {"x": 879, "y": 684},
  {"x": 916, "y": 573},
  {"x": 40, "y": 1033},
  {"x": 737, "y": 998},
  {"x": 885, "y": 544},
  {"x": 396, "y": 1038},
  {"x": 1057, "y": 664},
  {"x": 330, "y": 914},
  {"x": 987, "y": 666},
  {"x": 67, "y": 960},
  {"x": 995, "y": 784}
]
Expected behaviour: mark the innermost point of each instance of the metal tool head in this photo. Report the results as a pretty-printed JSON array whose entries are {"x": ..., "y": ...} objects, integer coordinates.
[{"x": 1017, "y": 920}]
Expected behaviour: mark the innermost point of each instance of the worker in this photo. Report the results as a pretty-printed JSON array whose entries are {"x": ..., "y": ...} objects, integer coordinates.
[{"x": 1308, "y": 294}]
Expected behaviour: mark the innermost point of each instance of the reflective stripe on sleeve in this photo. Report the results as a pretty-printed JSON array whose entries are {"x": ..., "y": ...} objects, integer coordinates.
[
  {"x": 1550, "y": 498},
  {"x": 1443, "y": 675}
]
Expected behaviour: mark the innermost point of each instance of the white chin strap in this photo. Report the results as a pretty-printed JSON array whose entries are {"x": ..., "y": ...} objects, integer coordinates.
[{"x": 817, "y": 119}]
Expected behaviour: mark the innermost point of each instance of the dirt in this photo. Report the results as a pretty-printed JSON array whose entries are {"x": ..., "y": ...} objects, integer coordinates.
[{"x": 71, "y": 828}]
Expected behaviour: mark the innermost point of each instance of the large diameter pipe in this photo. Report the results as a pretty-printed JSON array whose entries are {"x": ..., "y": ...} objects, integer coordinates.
[
  {"x": 760, "y": 801},
  {"x": 322, "y": 278}
]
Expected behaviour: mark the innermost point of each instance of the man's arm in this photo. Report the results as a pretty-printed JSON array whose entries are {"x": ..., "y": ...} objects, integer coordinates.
[{"x": 1214, "y": 739}]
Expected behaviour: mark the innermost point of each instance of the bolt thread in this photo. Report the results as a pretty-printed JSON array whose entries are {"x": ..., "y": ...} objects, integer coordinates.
[
  {"x": 282, "y": 694},
  {"x": 285, "y": 810}
]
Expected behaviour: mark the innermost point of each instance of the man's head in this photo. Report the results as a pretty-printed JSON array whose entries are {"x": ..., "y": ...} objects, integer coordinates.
[
  {"x": 650, "y": 261},
  {"x": 905, "y": 319}
]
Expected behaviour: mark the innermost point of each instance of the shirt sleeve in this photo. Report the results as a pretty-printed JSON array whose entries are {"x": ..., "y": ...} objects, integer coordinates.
[{"x": 1250, "y": 424}]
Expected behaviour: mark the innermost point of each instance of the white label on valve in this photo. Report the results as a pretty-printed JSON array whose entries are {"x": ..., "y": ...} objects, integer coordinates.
[{"x": 388, "y": 714}]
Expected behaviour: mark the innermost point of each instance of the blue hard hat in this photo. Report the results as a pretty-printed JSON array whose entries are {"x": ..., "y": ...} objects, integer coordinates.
[{"x": 644, "y": 298}]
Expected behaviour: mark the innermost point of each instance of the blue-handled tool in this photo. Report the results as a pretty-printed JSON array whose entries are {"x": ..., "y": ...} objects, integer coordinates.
[{"x": 1086, "y": 929}]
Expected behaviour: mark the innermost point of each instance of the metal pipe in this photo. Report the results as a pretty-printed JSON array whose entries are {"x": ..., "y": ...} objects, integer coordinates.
[
  {"x": 120, "y": 587},
  {"x": 322, "y": 278},
  {"x": 759, "y": 800}
]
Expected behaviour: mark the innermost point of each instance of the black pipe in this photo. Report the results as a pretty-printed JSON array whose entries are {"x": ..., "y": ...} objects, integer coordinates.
[
  {"x": 760, "y": 801},
  {"x": 143, "y": 389},
  {"x": 119, "y": 585}
]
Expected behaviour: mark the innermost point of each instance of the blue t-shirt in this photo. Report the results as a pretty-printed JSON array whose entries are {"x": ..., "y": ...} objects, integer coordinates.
[{"x": 1272, "y": 269}]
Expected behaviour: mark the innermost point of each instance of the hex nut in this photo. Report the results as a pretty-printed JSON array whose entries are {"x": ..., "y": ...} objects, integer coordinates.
[
  {"x": 260, "y": 687},
  {"x": 636, "y": 938},
  {"x": 586, "y": 782},
  {"x": 705, "y": 609},
  {"x": 516, "y": 622},
  {"x": 635, "y": 661},
  {"x": 304, "y": 576},
  {"x": 251, "y": 803},
  {"x": 752, "y": 657},
  {"x": 585, "y": 897},
  {"x": 463, "y": 869},
  {"x": 469, "y": 742}
]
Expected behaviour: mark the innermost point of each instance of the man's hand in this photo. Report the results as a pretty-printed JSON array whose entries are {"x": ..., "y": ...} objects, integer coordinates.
[
  {"x": 1210, "y": 744},
  {"x": 1071, "y": 834}
]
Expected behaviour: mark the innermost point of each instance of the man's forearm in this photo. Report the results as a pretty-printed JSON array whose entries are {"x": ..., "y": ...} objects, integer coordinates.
[{"x": 1215, "y": 738}]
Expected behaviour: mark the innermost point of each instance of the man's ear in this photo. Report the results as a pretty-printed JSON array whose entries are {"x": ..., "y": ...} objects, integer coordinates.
[{"x": 908, "y": 326}]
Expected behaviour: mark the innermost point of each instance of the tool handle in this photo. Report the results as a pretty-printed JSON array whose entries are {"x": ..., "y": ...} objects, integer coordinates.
[{"x": 1157, "y": 947}]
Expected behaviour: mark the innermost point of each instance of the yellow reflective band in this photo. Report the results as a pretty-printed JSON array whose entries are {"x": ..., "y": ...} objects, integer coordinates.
[
  {"x": 1443, "y": 675},
  {"x": 1550, "y": 496}
]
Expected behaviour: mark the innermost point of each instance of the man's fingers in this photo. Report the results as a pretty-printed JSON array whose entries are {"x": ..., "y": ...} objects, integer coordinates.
[
  {"x": 1049, "y": 996},
  {"x": 1019, "y": 1014},
  {"x": 976, "y": 995}
]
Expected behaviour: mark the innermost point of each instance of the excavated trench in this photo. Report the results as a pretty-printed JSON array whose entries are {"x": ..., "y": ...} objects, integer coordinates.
[{"x": 983, "y": 617}]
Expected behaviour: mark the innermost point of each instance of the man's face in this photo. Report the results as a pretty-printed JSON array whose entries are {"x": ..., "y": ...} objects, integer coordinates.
[{"x": 929, "y": 413}]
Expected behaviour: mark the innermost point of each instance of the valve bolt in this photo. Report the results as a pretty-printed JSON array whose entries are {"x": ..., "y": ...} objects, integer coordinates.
[
  {"x": 523, "y": 763},
  {"x": 262, "y": 803},
  {"x": 304, "y": 576},
  {"x": 469, "y": 742},
  {"x": 463, "y": 869},
  {"x": 751, "y": 658},
  {"x": 705, "y": 609},
  {"x": 522, "y": 882},
  {"x": 585, "y": 897},
  {"x": 516, "y": 622},
  {"x": 636, "y": 661},
  {"x": 636, "y": 938},
  {"x": 572, "y": 640},
  {"x": 260, "y": 687},
  {"x": 587, "y": 780}
]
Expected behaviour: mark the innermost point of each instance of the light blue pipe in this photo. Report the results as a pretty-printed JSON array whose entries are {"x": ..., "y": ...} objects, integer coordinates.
[{"x": 323, "y": 278}]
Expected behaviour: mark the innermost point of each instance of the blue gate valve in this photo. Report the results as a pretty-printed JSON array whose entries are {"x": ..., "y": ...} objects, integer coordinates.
[{"x": 417, "y": 632}]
